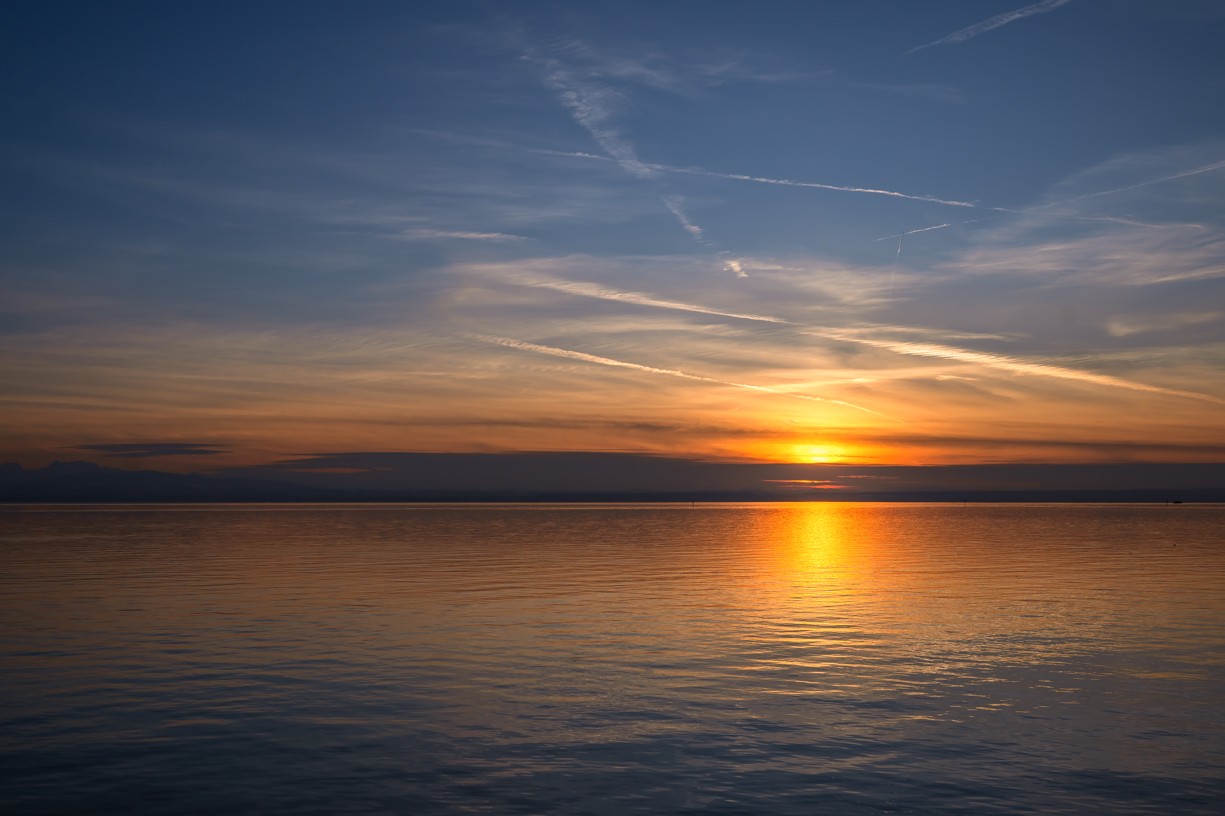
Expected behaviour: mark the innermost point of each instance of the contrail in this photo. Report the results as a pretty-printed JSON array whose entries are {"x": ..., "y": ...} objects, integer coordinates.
[
  {"x": 591, "y": 290},
  {"x": 591, "y": 358},
  {"x": 639, "y": 165},
  {"x": 900, "y": 235},
  {"x": 992, "y": 23},
  {"x": 463, "y": 235},
  {"x": 701, "y": 171},
  {"x": 1004, "y": 363},
  {"x": 897, "y": 256},
  {"x": 698, "y": 171},
  {"x": 675, "y": 205},
  {"x": 996, "y": 361},
  {"x": 1103, "y": 219},
  {"x": 589, "y": 107},
  {"x": 593, "y": 106}
]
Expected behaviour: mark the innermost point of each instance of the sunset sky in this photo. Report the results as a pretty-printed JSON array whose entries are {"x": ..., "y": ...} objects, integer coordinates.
[{"x": 861, "y": 232}]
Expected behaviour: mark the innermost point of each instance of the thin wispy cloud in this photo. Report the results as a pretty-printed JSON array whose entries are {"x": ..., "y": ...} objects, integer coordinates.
[
  {"x": 656, "y": 167},
  {"x": 591, "y": 290},
  {"x": 149, "y": 450},
  {"x": 1127, "y": 325},
  {"x": 783, "y": 182},
  {"x": 607, "y": 361},
  {"x": 424, "y": 234},
  {"x": 1195, "y": 171},
  {"x": 593, "y": 107},
  {"x": 1072, "y": 216},
  {"x": 675, "y": 205},
  {"x": 736, "y": 266},
  {"x": 991, "y": 24},
  {"x": 1011, "y": 364},
  {"x": 914, "y": 232}
]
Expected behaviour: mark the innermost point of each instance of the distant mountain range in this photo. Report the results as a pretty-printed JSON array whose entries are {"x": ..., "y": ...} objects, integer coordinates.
[{"x": 612, "y": 477}]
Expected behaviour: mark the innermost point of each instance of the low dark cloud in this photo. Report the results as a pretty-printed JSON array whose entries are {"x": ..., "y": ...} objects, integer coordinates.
[
  {"x": 149, "y": 450},
  {"x": 625, "y": 473}
]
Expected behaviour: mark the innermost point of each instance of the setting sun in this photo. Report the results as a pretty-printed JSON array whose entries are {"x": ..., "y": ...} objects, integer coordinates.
[{"x": 821, "y": 454}]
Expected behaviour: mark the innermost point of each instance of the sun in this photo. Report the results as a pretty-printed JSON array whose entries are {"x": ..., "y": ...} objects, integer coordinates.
[{"x": 818, "y": 454}]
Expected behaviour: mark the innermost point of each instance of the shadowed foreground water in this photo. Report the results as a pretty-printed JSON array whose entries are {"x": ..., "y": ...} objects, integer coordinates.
[{"x": 813, "y": 658}]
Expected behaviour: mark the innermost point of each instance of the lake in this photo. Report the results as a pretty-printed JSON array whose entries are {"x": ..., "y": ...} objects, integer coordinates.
[{"x": 609, "y": 659}]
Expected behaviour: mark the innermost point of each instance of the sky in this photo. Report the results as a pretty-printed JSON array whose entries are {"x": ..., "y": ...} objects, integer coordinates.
[{"x": 872, "y": 232}]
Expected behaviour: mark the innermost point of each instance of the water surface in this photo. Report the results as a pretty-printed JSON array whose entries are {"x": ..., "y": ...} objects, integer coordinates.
[{"x": 608, "y": 659}]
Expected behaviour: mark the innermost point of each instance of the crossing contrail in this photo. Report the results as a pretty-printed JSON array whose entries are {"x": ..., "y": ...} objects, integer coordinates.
[{"x": 608, "y": 361}]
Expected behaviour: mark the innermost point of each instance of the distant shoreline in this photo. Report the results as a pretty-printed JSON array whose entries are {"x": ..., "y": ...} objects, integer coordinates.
[
  {"x": 1019, "y": 499},
  {"x": 586, "y": 478}
]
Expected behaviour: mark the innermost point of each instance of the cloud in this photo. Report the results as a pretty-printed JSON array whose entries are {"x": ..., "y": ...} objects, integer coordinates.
[
  {"x": 872, "y": 336},
  {"x": 1010, "y": 364},
  {"x": 149, "y": 450},
  {"x": 1194, "y": 171},
  {"x": 594, "y": 106},
  {"x": 913, "y": 232},
  {"x": 1127, "y": 325},
  {"x": 783, "y": 182},
  {"x": 863, "y": 336},
  {"x": 656, "y": 167},
  {"x": 992, "y": 23},
  {"x": 591, "y": 290},
  {"x": 591, "y": 358},
  {"x": 1138, "y": 219},
  {"x": 675, "y": 205},
  {"x": 698, "y": 171},
  {"x": 583, "y": 471},
  {"x": 425, "y": 234}
]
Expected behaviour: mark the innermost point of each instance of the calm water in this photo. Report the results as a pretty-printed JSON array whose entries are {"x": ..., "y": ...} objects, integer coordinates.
[{"x": 820, "y": 658}]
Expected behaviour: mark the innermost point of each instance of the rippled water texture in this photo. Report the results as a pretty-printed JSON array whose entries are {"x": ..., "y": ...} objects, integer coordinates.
[{"x": 815, "y": 658}]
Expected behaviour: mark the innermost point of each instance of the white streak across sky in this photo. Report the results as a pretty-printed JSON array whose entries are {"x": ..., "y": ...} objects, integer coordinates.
[
  {"x": 1107, "y": 219},
  {"x": 592, "y": 106},
  {"x": 701, "y": 171},
  {"x": 425, "y": 234},
  {"x": 781, "y": 182},
  {"x": 675, "y": 205},
  {"x": 915, "y": 231},
  {"x": 698, "y": 171},
  {"x": 607, "y": 361},
  {"x": 1004, "y": 363},
  {"x": 992, "y": 23},
  {"x": 591, "y": 290},
  {"x": 998, "y": 362}
]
